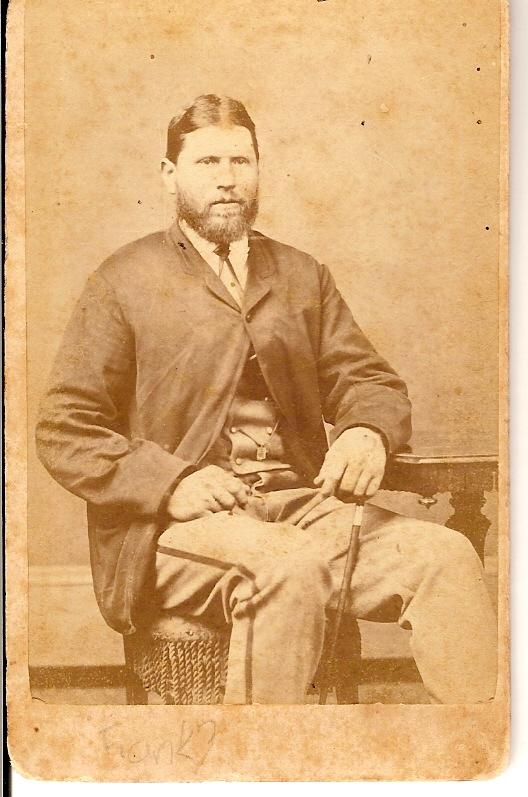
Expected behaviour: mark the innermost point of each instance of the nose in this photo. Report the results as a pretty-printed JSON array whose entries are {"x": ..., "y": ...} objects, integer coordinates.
[{"x": 226, "y": 175}]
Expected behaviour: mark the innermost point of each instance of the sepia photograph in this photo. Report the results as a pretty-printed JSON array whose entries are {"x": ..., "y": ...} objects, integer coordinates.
[{"x": 263, "y": 256}]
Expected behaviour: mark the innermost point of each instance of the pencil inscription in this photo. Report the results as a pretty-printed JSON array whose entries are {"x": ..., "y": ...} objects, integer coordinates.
[{"x": 191, "y": 740}]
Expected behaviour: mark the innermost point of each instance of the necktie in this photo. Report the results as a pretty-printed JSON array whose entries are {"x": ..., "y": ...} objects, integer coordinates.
[{"x": 227, "y": 274}]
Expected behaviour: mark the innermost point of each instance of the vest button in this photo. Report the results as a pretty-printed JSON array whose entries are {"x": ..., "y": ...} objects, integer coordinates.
[
  {"x": 238, "y": 461},
  {"x": 248, "y": 316},
  {"x": 233, "y": 429},
  {"x": 269, "y": 430}
]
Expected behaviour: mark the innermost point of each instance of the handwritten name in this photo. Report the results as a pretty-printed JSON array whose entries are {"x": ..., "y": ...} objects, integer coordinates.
[{"x": 191, "y": 741}]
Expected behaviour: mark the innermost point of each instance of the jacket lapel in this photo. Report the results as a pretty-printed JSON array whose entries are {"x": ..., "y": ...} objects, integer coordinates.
[
  {"x": 260, "y": 269},
  {"x": 193, "y": 263},
  {"x": 260, "y": 273}
]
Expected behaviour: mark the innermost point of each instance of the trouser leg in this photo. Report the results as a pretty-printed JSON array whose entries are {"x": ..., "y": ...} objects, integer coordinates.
[
  {"x": 278, "y": 641},
  {"x": 427, "y": 578},
  {"x": 259, "y": 578}
]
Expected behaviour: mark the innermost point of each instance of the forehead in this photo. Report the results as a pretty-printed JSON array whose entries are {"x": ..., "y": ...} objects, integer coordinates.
[{"x": 218, "y": 140}]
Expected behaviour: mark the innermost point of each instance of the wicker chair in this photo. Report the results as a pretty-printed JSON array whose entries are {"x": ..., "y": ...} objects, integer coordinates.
[{"x": 185, "y": 663}]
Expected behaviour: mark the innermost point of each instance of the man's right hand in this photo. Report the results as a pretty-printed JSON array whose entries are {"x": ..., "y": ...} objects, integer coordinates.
[{"x": 208, "y": 490}]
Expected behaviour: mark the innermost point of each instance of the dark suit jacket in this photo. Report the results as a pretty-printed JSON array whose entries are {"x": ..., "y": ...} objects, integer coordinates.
[{"x": 147, "y": 370}]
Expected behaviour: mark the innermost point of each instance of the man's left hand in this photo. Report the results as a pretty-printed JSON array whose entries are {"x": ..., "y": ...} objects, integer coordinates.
[{"x": 354, "y": 464}]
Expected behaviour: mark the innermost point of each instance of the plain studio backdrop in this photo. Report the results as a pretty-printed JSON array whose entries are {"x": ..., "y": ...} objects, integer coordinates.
[{"x": 378, "y": 126}]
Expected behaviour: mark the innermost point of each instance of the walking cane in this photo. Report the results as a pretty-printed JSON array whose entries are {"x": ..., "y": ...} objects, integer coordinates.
[{"x": 351, "y": 559}]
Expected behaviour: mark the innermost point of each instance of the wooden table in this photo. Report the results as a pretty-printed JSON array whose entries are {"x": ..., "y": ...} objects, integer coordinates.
[{"x": 466, "y": 469}]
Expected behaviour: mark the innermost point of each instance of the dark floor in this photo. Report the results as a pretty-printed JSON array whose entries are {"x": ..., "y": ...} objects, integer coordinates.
[{"x": 368, "y": 693}]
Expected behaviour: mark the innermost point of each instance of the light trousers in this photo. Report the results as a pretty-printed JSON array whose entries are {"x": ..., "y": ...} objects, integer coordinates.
[{"x": 273, "y": 569}]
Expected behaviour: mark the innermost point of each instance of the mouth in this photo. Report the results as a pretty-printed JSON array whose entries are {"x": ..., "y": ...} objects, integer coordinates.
[{"x": 227, "y": 202}]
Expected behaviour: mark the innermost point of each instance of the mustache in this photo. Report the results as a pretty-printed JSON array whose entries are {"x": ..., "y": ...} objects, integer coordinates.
[{"x": 227, "y": 201}]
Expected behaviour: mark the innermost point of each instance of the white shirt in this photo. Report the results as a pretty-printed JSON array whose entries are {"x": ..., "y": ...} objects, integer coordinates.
[{"x": 238, "y": 253}]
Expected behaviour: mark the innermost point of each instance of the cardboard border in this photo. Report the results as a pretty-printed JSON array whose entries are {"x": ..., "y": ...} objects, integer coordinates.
[{"x": 167, "y": 743}]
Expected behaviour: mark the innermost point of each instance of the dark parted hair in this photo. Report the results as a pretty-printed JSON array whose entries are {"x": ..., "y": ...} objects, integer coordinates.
[{"x": 208, "y": 109}]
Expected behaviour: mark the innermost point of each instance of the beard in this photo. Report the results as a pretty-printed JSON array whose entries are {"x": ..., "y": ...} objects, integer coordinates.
[{"x": 218, "y": 227}]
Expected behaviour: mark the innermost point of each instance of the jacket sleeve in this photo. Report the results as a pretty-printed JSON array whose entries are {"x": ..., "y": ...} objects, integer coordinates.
[
  {"x": 358, "y": 387},
  {"x": 82, "y": 430}
]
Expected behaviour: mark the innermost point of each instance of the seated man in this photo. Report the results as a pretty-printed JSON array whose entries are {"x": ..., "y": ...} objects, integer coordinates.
[{"x": 187, "y": 406}]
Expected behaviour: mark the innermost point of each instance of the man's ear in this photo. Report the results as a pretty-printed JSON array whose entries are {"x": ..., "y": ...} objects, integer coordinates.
[{"x": 168, "y": 175}]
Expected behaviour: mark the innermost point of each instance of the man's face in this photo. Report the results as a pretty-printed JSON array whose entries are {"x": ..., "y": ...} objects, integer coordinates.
[{"x": 215, "y": 180}]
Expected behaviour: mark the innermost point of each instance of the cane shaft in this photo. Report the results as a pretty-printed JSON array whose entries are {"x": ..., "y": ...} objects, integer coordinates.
[
  {"x": 350, "y": 563},
  {"x": 345, "y": 588}
]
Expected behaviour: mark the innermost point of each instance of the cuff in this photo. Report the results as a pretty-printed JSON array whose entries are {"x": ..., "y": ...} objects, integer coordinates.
[
  {"x": 376, "y": 429},
  {"x": 169, "y": 491},
  {"x": 383, "y": 409}
]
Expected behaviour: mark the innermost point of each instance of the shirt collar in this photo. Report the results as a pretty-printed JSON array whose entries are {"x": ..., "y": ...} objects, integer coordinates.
[{"x": 238, "y": 249}]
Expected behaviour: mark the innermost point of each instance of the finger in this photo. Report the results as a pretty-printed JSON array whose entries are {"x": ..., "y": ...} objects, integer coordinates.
[
  {"x": 231, "y": 482},
  {"x": 362, "y": 482},
  {"x": 334, "y": 462},
  {"x": 235, "y": 486},
  {"x": 239, "y": 491},
  {"x": 212, "y": 504},
  {"x": 330, "y": 475},
  {"x": 242, "y": 496},
  {"x": 329, "y": 486},
  {"x": 350, "y": 479},
  {"x": 373, "y": 486},
  {"x": 224, "y": 497}
]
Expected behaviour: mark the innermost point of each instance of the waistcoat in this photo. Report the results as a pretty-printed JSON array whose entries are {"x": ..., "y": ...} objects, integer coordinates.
[{"x": 253, "y": 442}]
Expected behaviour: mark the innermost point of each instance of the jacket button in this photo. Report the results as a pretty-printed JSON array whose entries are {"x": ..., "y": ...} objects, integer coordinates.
[
  {"x": 269, "y": 430},
  {"x": 238, "y": 461},
  {"x": 234, "y": 429}
]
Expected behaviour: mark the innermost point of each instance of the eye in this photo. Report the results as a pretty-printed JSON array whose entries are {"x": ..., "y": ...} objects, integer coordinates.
[
  {"x": 207, "y": 161},
  {"x": 240, "y": 160}
]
